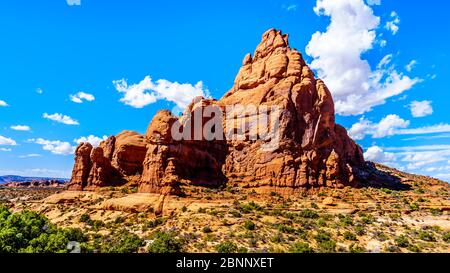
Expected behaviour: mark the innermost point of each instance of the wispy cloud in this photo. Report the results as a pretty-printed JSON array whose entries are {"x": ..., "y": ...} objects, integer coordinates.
[
  {"x": 30, "y": 155},
  {"x": 392, "y": 25},
  {"x": 5, "y": 150},
  {"x": 432, "y": 129},
  {"x": 7, "y": 141},
  {"x": 80, "y": 96},
  {"x": 392, "y": 125},
  {"x": 20, "y": 128},
  {"x": 425, "y": 159},
  {"x": 290, "y": 7},
  {"x": 61, "y": 118},
  {"x": 428, "y": 137},
  {"x": 421, "y": 108},
  {"x": 73, "y": 2},
  {"x": 3, "y": 103},
  {"x": 409, "y": 67}
]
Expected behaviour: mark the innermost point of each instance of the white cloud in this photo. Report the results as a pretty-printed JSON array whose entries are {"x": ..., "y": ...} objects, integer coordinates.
[
  {"x": 337, "y": 58},
  {"x": 388, "y": 126},
  {"x": 40, "y": 91},
  {"x": 20, "y": 128},
  {"x": 55, "y": 146},
  {"x": 444, "y": 176},
  {"x": 374, "y": 2},
  {"x": 3, "y": 103},
  {"x": 425, "y": 158},
  {"x": 5, "y": 150},
  {"x": 446, "y": 135},
  {"x": 421, "y": 108},
  {"x": 393, "y": 24},
  {"x": 419, "y": 148},
  {"x": 30, "y": 155},
  {"x": 60, "y": 118},
  {"x": 80, "y": 96},
  {"x": 147, "y": 92},
  {"x": 94, "y": 140},
  {"x": 432, "y": 129},
  {"x": 376, "y": 154},
  {"x": 291, "y": 7},
  {"x": 409, "y": 67},
  {"x": 73, "y": 2},
  {"x": 394, "y": 125},
  {"x": 7, "y": 141}
]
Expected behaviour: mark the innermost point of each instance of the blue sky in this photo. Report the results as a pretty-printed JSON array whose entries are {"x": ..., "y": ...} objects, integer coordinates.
[{"x": 74, "y": 69}]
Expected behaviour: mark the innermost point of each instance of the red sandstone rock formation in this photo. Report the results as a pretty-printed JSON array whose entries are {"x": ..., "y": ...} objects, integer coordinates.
[
  {"x": 113, "y": 163},
  {"x": 311, "y": 150}
]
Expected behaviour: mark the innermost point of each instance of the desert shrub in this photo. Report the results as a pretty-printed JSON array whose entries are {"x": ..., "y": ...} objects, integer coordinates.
[
  {"x": 392, "y": 249},
  {"x": 249, "y": 207},
  {"x": 84, "y": 218},
  {"x": 286, "y": 229},
  {"x": 360, "y": 230},
  {"x": 324, "y": 242},
  {"x": 166, "y": 242},
  {"x": 301, "y": 247},
  {"x": 353, "y": 248},
  {"x": 367, "y": 218},
  {"x": 277, "y": 238},
  {"x": 346, "y": 220},
  {"x": 380, "y": 236},
  {"x": 426, "y": 236},
  {"x": 156, "y": 222},
  {"x": 414, "y": 206},
  {"x": 236, "y": 213},
  {"x": 226, "y": 247},
  {"x": 446, "y": 237},
  {"x": 402, "y": 241},
  {"x": 350, "y": 236},
  {"x": 253, "y": 242},
  {"x": 122, "y": 241},
  {"x": 119, "y": 220},
  {"x": 249, "y": 225},
  {"x": 413, "y": 248},
  {"x": 274, "y": 194},
  {"x": 307, "y": 213},
  {"x": 207, "y": 229},
  {"x": 201, "y": 210},
  {"x": 435, "y": 212},
  {"x": 242, "y": 250}
]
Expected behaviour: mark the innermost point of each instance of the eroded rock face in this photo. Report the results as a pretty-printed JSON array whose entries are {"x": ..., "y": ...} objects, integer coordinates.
[
  {"x": 311, "y": 151},
  {"x": 170, "y": 162},
  {"x": 113, "y": 163}
]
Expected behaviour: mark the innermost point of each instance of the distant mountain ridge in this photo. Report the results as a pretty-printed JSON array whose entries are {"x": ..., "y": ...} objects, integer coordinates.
[{"x": 17, "y": 178}]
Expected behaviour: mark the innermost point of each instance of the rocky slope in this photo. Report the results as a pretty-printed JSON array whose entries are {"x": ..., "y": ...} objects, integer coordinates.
[{"x": 310, "y": 150}]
